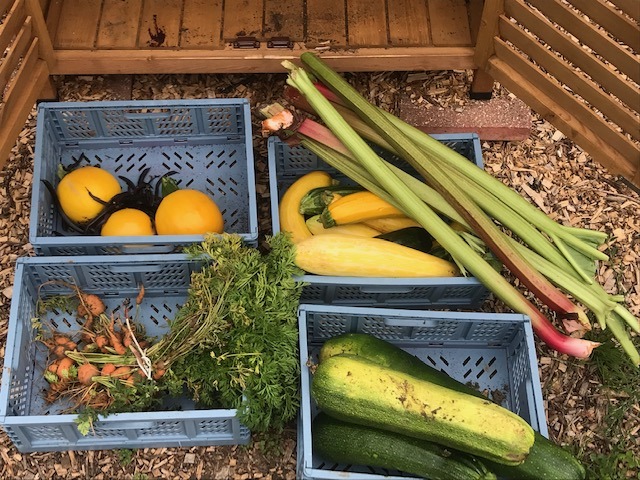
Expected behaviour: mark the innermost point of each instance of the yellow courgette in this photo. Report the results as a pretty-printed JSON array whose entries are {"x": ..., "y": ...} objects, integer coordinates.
[
  {"x": 291, "y": 220},
  {"x": 344, "y": 255},
  {"x": 391, "y": 224},
  {"x": 357, "y": 207},
  {"x": 358, "y": 229}
]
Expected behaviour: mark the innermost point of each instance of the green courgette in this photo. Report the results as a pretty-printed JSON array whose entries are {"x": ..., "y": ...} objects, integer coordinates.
[
  {"x": 352, "y": 388},
  {"x": 413, "y": 237},
  {"x": 352, "y": 444},
  {"x": 546, "y": 460},
  {"x": 315, "y": 201}
]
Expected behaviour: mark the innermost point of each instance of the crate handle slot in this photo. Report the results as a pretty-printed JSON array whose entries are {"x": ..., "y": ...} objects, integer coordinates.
[
  {"x": 146, "y": 116},
  {"x": 126, "y": 425},
  {"x": 137, "y": 268},
  {"x": 411, "y": 322},
  {"x": 386, "y": 289},
  {"x": 146, "y": 249}
]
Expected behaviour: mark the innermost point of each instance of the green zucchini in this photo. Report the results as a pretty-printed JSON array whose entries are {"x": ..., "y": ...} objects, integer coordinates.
[
  {"x": 352, "y": 388},
  {"x": 315, "y": 201},
  {"x": 546, "y": 460},
  {"x": 413, "y": 237},
  {"x": 352, "y": 444}
]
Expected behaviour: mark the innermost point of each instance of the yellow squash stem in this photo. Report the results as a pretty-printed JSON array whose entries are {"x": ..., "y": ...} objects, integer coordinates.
[{"x": 419, "y": 211}]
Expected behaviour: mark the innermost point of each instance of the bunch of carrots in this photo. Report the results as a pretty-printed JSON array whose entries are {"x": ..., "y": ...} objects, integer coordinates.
[{"x": 107, "y": 354}]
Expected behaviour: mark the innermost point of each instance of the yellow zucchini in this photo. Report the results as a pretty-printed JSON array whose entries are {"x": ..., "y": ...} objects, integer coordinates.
[
  {"x": 291, "y": 220},
  {"x": 358, "y": 229},
  {"x": 391, "y": 224},
  {"x": 357, "y": 207},
  {"x": 344, "y": 255}
]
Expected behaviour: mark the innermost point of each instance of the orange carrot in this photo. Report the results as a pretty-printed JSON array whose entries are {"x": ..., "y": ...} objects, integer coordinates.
[
  {"x": 93, "y": 304},
  {"x": 140, "y": 295},
  {"x": 61, "y": 339},
  {"x": 121, "y": 372},
  {"x": 64, "y": 367},
  {"x": 107, "y": 369},
  {"x": 86, "y": 372},
  {"x": 116, "y": 342},
  {"x": 59, "y": 350},
  {"x": 53, "y": 368},
  {"x": 101, "y": 341}
]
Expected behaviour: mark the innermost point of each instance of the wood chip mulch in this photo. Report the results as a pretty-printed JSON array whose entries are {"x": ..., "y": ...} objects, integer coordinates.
[{"x": 546, "y": 168}]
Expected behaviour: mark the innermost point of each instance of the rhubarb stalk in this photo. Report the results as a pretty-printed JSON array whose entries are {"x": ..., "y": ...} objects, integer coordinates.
[
  {"x": 424, "y": 215},
  {"x": 449, "y": 189}
]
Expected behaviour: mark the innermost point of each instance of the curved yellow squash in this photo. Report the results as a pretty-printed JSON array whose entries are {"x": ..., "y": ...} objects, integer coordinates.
[
  {"x": 291, "y": 220},
  {"x": 337, "y": 254}
]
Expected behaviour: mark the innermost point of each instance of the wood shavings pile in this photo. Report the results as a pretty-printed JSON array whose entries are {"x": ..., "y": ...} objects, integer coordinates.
[{"x": 547, "y": 168}]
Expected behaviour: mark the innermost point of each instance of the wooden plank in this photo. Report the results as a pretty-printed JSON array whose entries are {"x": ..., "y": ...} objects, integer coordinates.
[
  {"x": 15, "y": 53},
  {"x": 160, "y": 24},
  {"x": 449, "y": 23},
  {"x": 40, "y": 28},
  {"x": 526, "y": 88},
  {"x": 475, "y": 8},
  {"x": 52, "y": 17},
  {"x": 488, "y": 30},
  {"x": 366, "y": 23},
  {"x": 588, "y": 34},
  {"x": 264, "y": 60},
  {"x": 12, "y": 24},
  {"x": 14, "y": 119},
  {"x": 119, "y": 24},
  {"x": 590, "y": 64},
  {"x": 408, "y": 23},
  {"x": 571, "y": 107},
  {"x": 201, "y": 24},
  {"x": 242, "y": 18},
  {"x": 284, "y": 18},
  {"x": 326, "y": 22},
  {"x": 78, "y": 24},
  {"x": 611, "y": 20},
  {"x": 630, "y": 7},
  {"x": 14, "y": 93},
  {"x": 577, "y": 82}
]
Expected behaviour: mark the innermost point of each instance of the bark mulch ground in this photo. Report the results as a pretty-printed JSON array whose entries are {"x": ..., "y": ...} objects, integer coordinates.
[{"x": 546, "y": 168}]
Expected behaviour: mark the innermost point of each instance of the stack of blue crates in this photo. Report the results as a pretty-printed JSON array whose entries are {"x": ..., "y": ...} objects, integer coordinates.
[
  {"x": 208, "y": 144},
  {"x": 494, "y": 352}
]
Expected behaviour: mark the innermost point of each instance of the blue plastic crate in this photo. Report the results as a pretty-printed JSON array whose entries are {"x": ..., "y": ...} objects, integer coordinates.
[
  {"x": 35, "y": 425},
  {"x": 492, "y": 351},
  {"x": 287, "y": 163},
  {"x": 207, "y": 142}
]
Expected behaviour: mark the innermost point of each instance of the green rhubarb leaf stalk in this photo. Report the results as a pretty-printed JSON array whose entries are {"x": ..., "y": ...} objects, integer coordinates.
[{"x": 418, "y": 210}]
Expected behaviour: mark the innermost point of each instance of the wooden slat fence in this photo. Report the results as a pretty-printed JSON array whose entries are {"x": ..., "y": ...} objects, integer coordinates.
[
  {"x": 577, "y": 64},
  {"x": 24, "y": 67}
]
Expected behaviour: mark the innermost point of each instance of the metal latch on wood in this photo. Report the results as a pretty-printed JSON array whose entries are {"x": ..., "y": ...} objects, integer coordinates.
[
  {"x": 279, "y": 42},
  {"x": 246, "y": 42}
]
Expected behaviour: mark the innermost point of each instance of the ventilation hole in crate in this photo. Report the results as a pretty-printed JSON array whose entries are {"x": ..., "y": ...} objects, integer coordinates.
[
  {"x": 465, "y": 361},
  {"x": 208, "y": 165},
  {"x": 479, "y": 361},
  {"x": 480, "y": 373},
  {"x": 491, "y": 362},
  {"x": 177, "y": 165},
  {"x": 54, "y": 324},
  {"x": 467, "y": 373},
  {"x": 431, "y": 361},
  {"x": 493, "y": 373},
  {"x": 444, "y": 360},
  {"x": 130, "y": 167},
  {"x": 233, "y": 163},
  {"x": 167, "y": 156},
  {"x": 66, "y": 322}
]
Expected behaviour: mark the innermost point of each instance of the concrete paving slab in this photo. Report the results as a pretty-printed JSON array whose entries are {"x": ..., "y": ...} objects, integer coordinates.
[{"x": 501, "y": 118}]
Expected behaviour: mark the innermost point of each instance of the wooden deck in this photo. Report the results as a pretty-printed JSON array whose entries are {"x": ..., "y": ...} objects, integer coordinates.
[{"x": 184, "y": 36}]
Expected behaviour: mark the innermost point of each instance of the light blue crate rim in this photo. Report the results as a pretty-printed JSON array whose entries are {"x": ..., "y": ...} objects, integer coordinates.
[
  {"x": 189, "y": 136},
  {"x": 56, "y": 431},
  {"x": 404, "y": 328},
  {"x": 383, "y": 291}
]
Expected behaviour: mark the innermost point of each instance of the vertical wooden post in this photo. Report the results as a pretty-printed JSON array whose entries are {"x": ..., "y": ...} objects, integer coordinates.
[{"x": 482, "y": 86}]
